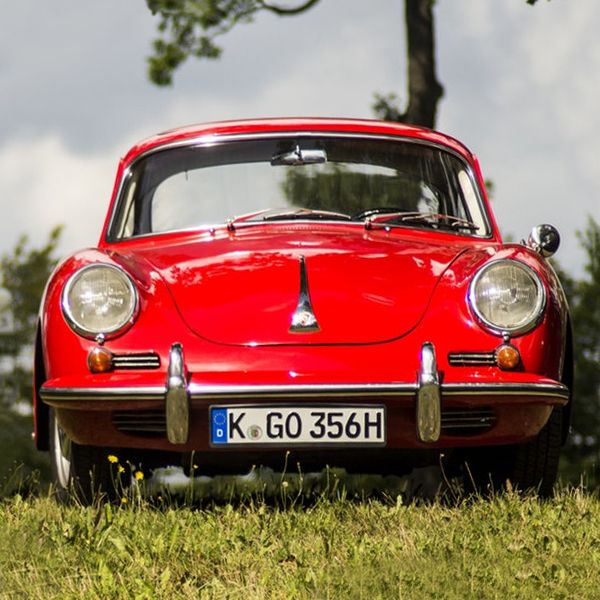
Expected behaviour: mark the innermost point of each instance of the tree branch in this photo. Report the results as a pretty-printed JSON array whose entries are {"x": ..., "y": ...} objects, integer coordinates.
[
  {"x": 278, "y": 10},
  {"x": 190, "y": 28}
]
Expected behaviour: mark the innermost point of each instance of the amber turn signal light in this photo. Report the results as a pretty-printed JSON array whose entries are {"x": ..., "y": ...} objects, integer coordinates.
[
  {"x": 507, "y": 357},
  {"x": 100, "y": 360}
]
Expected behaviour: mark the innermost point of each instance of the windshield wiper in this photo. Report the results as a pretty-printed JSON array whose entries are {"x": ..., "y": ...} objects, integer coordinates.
[
  {"x": 378, "y": 210},
  {"x": 433, "y": 220},
  {"x": 307, "y": 213},
  {"x": 287, "y": 214}
]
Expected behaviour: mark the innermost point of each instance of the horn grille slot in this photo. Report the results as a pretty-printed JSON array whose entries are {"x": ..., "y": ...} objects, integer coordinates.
[
  {"x": 467, "y": 421},
  {"x": 467, "y": 359},
  {"x": 146, "y": 360},
  {"x": 147, "y": 422}
]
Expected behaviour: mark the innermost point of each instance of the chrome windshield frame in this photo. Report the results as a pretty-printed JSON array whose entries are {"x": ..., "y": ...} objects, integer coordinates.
[{"x": 209, "y": 140}]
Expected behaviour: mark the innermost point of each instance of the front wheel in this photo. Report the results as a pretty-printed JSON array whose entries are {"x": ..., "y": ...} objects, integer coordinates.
[
  {"x": 80, "y": 472},
  {"x": 532, "y": 466}
]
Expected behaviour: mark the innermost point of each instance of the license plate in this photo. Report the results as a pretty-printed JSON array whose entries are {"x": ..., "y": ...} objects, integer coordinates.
[{"x": 305, "y": 425}]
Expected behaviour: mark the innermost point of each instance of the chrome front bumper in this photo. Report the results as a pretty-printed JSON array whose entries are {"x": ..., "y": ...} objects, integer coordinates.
[{"x": 179, "y": 392}]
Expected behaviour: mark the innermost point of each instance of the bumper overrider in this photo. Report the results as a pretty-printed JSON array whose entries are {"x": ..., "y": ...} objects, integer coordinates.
[{"x": 428, "y": 393}]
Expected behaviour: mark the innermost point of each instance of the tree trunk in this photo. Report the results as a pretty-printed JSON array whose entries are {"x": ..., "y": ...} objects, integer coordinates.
[{"x": 424, "y": 90}]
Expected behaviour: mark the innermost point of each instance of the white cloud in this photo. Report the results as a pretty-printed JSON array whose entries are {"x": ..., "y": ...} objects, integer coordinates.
[
  {"x": 45, "y": 184},
  {"x": 522, "y": 87},
  {"x": 523, "y": 93}
]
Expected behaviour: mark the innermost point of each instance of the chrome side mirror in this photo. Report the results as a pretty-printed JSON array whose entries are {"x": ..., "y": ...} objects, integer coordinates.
[{"x": 544, "y": 239}]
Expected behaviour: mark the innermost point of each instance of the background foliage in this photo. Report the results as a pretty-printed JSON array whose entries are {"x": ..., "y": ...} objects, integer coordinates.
[
  {"x": 582, "y": 455},
  {"x": 24, "y": 273}
]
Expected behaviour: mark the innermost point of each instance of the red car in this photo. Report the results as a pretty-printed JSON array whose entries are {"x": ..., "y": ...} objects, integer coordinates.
[{"x": 322, "y": 291}]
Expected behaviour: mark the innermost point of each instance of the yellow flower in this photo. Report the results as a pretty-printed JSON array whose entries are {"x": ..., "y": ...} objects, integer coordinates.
[
  {"x": 139, "y": 475},
  {"x": 121, "y": 469},
  {"x": 112, "y": 459},
  {"x": 124, "y": 500}
]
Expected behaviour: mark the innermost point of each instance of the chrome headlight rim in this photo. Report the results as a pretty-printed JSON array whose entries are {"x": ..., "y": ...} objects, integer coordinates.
[
  {"x": 538, "y": 312},
  {"x": 105, "y": 333}
]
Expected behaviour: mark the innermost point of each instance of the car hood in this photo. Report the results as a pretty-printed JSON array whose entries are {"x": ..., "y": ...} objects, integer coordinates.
[{"x": 244, "y": 288}]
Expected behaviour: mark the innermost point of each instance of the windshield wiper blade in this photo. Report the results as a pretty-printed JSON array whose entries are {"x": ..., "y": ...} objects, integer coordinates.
[
  {"x": 307, "y": 213},
  {"x": 433, "y": 220},
  {"x": 287, "y": 214}
]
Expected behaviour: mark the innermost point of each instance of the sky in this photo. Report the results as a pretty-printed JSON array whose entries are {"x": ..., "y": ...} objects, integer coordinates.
[{"x": 522, "y": 90}]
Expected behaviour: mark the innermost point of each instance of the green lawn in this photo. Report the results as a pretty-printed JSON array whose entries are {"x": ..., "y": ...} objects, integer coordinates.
[
  {"x": 270, "y": 536},
  {"x": 21, "y": 465},
  {"x": 507, "y": 547}
]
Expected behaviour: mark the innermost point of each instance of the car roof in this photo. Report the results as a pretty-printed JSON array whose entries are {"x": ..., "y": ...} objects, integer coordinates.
[{"x": 276, "y": 125}]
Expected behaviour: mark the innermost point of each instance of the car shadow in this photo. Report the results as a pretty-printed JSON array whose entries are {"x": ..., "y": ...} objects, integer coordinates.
[{"x": 172, "y": 484}]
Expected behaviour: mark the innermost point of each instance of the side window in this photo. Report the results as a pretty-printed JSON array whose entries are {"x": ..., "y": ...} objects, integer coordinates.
[
  {"x": 126, "y": 226},
  {"x": 470, "y": 196}
]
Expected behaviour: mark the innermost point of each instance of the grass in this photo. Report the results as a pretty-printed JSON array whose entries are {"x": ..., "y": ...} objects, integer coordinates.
[
  {"x": 327, "y": 547},
  {"x": 21, "y": 465}
]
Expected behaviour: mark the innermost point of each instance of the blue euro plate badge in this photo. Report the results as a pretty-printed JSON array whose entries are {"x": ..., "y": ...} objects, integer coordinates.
[
  {"x": 218, "y": 423},
  {"x": 363, "y": 425}
]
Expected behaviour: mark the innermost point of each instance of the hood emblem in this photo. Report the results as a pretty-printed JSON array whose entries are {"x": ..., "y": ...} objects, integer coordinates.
[{"x": 303, "y": 319}]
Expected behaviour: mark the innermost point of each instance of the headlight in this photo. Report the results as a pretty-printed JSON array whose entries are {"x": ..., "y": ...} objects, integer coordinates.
[
  {"x": 507, "y": 296},
  {"x": 99, "y": 299}
]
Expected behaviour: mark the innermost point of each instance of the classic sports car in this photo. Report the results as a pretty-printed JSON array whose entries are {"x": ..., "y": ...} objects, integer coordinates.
[{"x": 321, "y": 291}]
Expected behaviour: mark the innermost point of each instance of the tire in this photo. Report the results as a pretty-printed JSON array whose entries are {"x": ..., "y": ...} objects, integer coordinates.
[
  {"x": 81, "y": 473},
  {"x": 529, "y": 467}
]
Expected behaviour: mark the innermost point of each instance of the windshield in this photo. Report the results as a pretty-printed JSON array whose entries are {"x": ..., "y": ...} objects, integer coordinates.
[{"x": 292, "y": 177}]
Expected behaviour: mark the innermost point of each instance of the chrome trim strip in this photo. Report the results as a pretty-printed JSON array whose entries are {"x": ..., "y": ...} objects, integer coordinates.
[
  {"x": 304, "y": 319},
  {"x": 213, "y": 139},
  {"x": 216, "y": 139},
  {"x": 102, "y": 393},
  {"x": 177, "y": 402},
  {"x": 508, "y": 389},
  {"x": 208, "y": 392}
]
